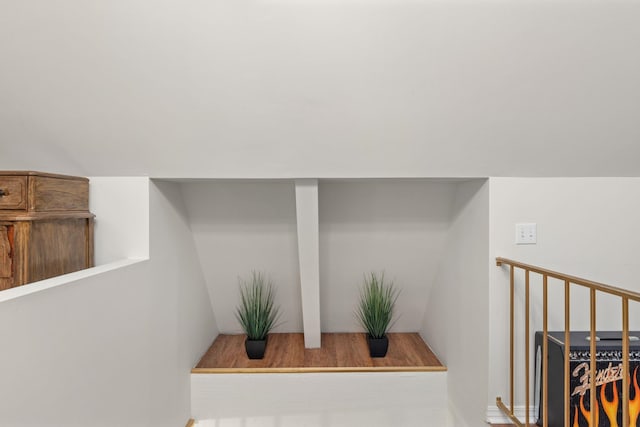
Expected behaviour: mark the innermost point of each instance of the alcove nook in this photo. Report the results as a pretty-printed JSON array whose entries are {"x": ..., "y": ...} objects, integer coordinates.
[
  {"x": 396, "y": 226},
  {"x": 420, "y": 232}
]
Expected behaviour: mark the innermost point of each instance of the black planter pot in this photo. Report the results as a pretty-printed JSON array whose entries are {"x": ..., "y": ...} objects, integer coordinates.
[
  {"x": 378, "y": 346},
  {"x": 255, "y": 348}
]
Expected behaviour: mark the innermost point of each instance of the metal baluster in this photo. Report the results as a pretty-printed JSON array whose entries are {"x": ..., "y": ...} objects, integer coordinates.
[
  {"x": 526, "y": 348},
  {"x": 545, "y": 356},
  {"x": 592, "y": 389},
  {"x": 567, "y": 348}
]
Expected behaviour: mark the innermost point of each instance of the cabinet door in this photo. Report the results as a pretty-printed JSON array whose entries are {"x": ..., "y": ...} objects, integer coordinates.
[
  {"x": 6, "y": 264},
  {"x": 56, "y": 247}
]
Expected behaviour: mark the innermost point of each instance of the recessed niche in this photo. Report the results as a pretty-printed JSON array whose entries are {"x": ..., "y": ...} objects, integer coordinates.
[
  {"x": 396, "y": 226},
  {"x": 399, "y": 226},
  {"x": 240, "y": 226}
]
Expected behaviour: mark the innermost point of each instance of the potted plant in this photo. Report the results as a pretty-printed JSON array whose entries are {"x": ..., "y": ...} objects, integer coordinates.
[
  {"x": 375, "y": 312},
  {"x": 257, "y": 313}
]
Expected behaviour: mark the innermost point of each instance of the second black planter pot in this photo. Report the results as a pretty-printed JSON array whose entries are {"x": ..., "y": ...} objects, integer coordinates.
[
  {"x": 378, "y": 346},
  {"x": 255, "y": 348}
]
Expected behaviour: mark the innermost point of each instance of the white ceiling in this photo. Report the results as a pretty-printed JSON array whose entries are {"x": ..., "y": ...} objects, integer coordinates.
[{"x": 329, "y": 89}]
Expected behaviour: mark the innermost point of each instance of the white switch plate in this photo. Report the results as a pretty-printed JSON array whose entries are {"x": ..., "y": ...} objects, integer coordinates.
[{"x": 526, "y": 233}]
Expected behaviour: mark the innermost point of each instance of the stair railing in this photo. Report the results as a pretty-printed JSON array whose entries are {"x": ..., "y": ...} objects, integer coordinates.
[{"x": 624, "y": 295}]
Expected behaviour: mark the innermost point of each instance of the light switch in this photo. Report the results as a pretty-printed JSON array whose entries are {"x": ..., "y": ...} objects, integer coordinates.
[{"x": 526, "y": 233}]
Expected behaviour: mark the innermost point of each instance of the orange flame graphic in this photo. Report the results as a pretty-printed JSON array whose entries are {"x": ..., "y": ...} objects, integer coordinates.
[
  {"x": 634, "y": 404},
  {"x": 610, "y": 407},
  {"x": 587, "y": 414}
]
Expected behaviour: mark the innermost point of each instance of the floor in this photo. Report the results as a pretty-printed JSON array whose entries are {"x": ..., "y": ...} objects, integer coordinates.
[{"x": 339, "y": 352}]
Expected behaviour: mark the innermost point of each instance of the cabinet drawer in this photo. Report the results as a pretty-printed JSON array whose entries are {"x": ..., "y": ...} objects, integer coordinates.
[{"x": 13, "y": 192}]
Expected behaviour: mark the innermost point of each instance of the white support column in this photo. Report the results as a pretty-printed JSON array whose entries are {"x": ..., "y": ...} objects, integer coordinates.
[{"x": 308, "y": 257}]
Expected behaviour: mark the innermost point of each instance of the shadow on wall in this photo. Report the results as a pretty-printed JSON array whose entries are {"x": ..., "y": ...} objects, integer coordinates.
[
  {"x": 395, "y": 226},
  {"x": 241, "y": 226}
]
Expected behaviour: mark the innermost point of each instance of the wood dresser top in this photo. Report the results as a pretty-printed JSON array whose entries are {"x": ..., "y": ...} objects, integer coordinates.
[{"x": 45, "y": 174}]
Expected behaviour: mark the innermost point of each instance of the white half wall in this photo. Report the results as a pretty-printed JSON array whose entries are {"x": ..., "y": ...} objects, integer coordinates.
[
  {"x": 398, "y": 399},
  {"x": 77, "y": 352},
  {"x": 113, "y": 348},
  {"x": 587, "y": 227},
  {"x": 398, "y": 227},
  {"x": 457, "y": 305},
  {"x": 240, "y": 226}
]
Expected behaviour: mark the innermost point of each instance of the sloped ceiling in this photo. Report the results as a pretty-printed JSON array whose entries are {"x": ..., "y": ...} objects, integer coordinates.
[{"x": 320, "y": 88}]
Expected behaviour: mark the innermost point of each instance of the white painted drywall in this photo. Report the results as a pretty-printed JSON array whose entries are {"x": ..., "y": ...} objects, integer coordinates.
[
  {"x": 241, "y": 226},
  {"x": 114, "y": 348},
  {"x": 74, "y": 353},
  {"x": 398, "y": 227},
  {"x": 587, "y": 227},
  {"x": 316, "y": 88},
  {"x": 181, "y": 321},
  {"x": 309, "y": 258},
  {"x": 121, "y": 226},
  {"x": 457, "y": 305},
  {"x": 399, "y": 399}
]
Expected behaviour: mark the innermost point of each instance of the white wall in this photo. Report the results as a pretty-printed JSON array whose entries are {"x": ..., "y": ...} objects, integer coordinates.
[
  {"x": 121, "y": 226},
  {"x": 182, "y": 325},
  {"x": 241, "y": 226},
  {"x": 457, "y": 305},
  {"x": 114, "y": 348},
  {"x": 344, "y": 399},
  {"x": 395, "y": 226},
  {"x": 384, "y": 88},
  {"x": 587, "y": 227},
  {"x": 398, "y": 226},
  {"x": 73, "y": 354}
]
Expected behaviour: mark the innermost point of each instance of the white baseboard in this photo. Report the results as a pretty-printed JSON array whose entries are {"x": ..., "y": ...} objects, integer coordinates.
[{"x": 496, "y": 416}]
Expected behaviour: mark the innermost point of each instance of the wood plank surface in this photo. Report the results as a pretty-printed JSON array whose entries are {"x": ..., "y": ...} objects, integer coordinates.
[{"x": 340, "y": 352}]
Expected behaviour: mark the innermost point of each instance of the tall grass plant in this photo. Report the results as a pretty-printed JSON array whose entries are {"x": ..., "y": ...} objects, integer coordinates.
[
  {"x": 257, "y": 312},
  {"x": 377, "y": 302}
]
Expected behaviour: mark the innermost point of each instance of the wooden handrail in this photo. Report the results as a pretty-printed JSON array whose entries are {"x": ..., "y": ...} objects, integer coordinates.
[
  {"x": 625, "y": 296},
  {"x": 601, "y": 287}
]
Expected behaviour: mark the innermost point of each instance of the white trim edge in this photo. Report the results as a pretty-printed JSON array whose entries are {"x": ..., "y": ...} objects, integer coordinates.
[
  {"x": 30, "y": 288},
  {"x": 496, "y": 416}
]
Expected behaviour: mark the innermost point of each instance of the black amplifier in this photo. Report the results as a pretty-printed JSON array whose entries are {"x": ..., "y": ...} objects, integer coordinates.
[{"x": 608, "y": 378}]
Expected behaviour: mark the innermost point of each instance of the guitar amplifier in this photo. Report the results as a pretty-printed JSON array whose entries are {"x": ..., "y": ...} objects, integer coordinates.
[{"x": 608, "y": 378}]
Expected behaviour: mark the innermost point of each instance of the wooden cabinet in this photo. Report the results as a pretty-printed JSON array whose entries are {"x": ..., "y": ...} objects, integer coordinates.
[{"x": 46, "y": 228}]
